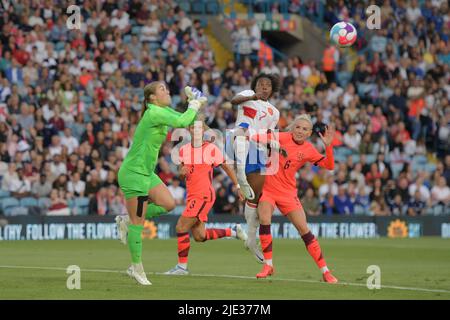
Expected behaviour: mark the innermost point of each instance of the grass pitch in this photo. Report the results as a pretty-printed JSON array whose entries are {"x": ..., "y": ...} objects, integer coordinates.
[{"x": 222, "y": 269}]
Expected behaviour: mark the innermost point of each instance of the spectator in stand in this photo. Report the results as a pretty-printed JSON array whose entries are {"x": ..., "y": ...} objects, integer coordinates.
[
  {"x": 416, "y": 205},
  {"x": 310, "y": 203},
  {"x": 75, "y": 186},
  {"x": 342, "y": 203},
  {"x": 19, "y": 186},
  {"x": 424, "y": 192},
  {"x": 440, "y": 194},
  {"x": 178, "y": 192},
  {"x": 41, "y": 188},
  {"x": 59, "y": 206},
  {"x": 222, "y": 204}
]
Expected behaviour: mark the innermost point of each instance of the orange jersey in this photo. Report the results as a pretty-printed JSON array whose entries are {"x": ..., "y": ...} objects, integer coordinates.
[
  {"x": 200, "y": 163},
  {"x": 298, "y": 154}
]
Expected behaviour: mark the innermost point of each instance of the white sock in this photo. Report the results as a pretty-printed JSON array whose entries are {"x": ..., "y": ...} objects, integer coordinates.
[
  {"x": 269, "y": 262},
  {"x": 182, "y": 265},
  {"x": 233, "y": 233},
  {"x": 324, "y": 269},
  {"x": 251, "y": 216}
]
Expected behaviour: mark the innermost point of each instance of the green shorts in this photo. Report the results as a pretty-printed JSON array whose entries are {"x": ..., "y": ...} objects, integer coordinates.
[{"x": 134, "y": 184}]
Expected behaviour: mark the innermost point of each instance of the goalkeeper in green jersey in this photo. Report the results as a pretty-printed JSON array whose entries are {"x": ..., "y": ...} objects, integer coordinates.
[{"x": 146, "y": 195}]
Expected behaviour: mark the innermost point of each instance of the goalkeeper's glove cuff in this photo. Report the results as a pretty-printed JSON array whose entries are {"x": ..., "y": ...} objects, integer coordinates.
[{"x": 194, "y": 105}]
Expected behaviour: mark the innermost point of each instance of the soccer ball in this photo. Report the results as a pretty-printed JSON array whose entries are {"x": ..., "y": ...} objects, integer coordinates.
[{"x": 343, "y": 34}]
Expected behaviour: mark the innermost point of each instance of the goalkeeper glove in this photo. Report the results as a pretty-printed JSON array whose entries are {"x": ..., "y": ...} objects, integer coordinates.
[{"x": 196, "y": 98}]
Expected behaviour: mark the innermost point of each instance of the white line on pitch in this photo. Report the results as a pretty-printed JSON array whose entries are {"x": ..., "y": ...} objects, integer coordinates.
[{"x": 235, "y": 277}]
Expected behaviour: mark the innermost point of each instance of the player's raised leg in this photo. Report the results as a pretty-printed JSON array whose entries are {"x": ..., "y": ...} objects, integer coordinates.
[
  {"x": 266, "y": 209},
  {"x": 298, "y": 219},
  {"x": 256, "y": 181},
  {"x": 201, "y": 234},
  {"x": 154, "y": 209}
]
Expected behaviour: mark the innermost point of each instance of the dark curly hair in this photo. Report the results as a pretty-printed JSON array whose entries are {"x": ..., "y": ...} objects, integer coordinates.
[{"x": 274, "y": 80}]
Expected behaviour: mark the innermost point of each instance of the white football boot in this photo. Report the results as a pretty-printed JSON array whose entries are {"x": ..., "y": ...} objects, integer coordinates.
[
  {"x": 240, "y": 233},
  {"x": 178, "y": 270},
  {"x": 136, "y": 271}
]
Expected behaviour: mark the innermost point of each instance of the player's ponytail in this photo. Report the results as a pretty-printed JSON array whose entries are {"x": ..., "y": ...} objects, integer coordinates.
[{"x": 149, "y": 89}]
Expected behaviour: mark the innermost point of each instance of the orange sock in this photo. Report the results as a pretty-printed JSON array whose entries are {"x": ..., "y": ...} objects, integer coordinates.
[
  {"x": 266, "y": 242},
  {"x": 212, "y": 234},
  {"x": 184, "y": 245},
  {"x": 313, "y": 247}
]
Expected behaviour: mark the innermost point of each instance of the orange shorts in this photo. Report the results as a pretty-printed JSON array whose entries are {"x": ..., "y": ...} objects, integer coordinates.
[
  {"x": 197, "y": 208},
  {"x": 285, "y": 202}
]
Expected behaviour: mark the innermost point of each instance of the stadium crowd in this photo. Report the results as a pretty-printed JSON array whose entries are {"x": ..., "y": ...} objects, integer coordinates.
[{"x": 70, "y": 101}]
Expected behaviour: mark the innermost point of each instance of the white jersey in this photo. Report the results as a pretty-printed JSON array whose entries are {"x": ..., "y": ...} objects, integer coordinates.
[{"x": 256, "y": 115}]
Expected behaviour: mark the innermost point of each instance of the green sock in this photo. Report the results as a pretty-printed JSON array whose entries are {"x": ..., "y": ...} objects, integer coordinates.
[
  {"x": 135, "y": 242},
  {"x": 154, "y": 211}
]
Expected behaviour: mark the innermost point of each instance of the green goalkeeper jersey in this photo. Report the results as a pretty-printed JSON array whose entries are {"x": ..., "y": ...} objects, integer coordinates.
[{"x": 150, "y": 134}]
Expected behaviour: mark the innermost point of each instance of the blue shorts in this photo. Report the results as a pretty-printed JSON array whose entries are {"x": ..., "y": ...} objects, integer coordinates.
[{"x": 256, "y": 158}]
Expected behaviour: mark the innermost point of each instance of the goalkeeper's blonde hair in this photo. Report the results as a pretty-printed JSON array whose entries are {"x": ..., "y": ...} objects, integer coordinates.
[{"x": 303, "y": 116}]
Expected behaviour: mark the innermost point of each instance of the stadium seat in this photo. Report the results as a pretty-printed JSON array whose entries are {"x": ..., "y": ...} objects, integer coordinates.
[
  {"x": 4, "y": 193},
  {"x": 71, "y": 203},
  {"x": 185, "y": 6},
  {"x": 154, "y": 46},
  {"x": 82, "y": 203},
  {"x": 28, "y": 202},
  {"x": 371, "y": 158},
  {"x": 344, "y": 152},
  {"x": 136, "y": 30},
  {"x": 87, "y": 99},
  {"x": 127, "y": 38},
  {"x": 355, "y": 158},
  {"x": 430, "y": 167},
  {"x": 176, "y": 99},
  {"x": 396, "y": 168},
  {"x": 9, "y": 202},
  {"x": 343, "y": 78},
  {"x": 340, "y": 158},
  {"x": 15, "y": 211},
  {"x": 44, "y": 202},
  {"x": 211, "y": 99},
  {"x": 212, "y": 7},
  {"x": 178, "y": 210},
  {"x": 420, "y": 159},
  {"x": 80, "y": 211},
  {"x": 198, "y": 7},
  {"x": 60, "y": 46},
  {"x": 359, "y": 210}
]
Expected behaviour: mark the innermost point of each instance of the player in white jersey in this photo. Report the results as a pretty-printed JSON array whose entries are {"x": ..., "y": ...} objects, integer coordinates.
[{"x": 255, "y": 113}]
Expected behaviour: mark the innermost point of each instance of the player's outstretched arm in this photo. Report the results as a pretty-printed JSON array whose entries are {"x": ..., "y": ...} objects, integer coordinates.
[
  {"x": 269, "y": 138},
  {"x": 174, "y": 119},
  {"x": 230, "y": 172},
  {"x": 238, "y": 99},
  {"x": 327, "y": 162}
]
